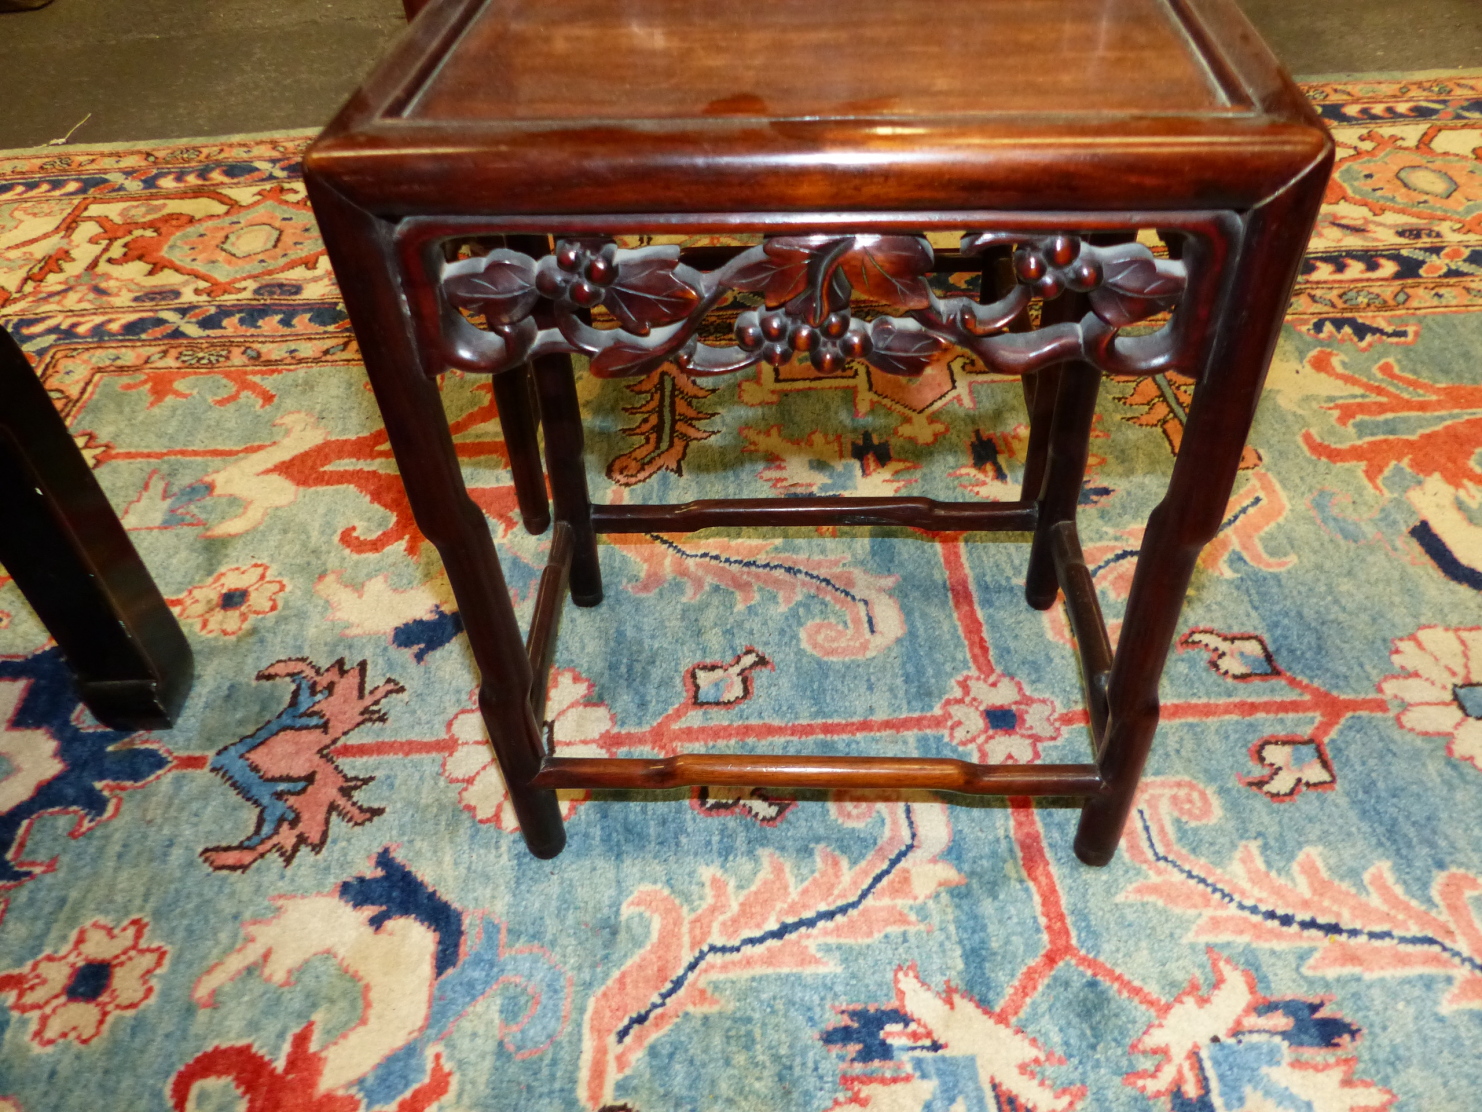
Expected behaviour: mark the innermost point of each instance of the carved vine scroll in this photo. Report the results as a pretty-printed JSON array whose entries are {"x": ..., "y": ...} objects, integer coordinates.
[{"x": 807, "y": 283}]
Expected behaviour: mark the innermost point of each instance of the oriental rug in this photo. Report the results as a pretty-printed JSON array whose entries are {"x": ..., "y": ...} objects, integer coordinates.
[{"x": 310, "y": 895}]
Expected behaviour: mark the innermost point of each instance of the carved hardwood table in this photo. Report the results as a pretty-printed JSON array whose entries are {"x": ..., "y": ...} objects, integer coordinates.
[{"x": 473, "y": 191}]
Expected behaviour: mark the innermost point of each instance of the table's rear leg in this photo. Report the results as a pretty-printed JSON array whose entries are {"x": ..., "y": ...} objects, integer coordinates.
[
  {"x": 1191, "y": 512},
  {"x": 517, "y": 420},
  {"x": 1040, "y": 391},
  {"x": 1065, "y": 469},
  {"x": 565, "y": 460},
  {"x": 1063, "y": 407},
  {"x": 360, "y": 248}
]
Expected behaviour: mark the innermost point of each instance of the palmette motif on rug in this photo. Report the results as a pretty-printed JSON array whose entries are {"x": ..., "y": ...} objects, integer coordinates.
[{"x": 311, "y": 896}]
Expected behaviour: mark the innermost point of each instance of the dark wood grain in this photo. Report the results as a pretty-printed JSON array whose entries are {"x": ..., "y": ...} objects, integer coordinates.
[
  {"x": 782, "y": 771},
  {"x": 541, "y": 304},
  {"x": 565, "y": 463},
  {"x": 1087, "y": 625},
  {"x": 73, "y": 561},
  {"x": 787, "y": 59},
  {"x": 1065, "y": 469},
  {"x": 545, "y": 623},
  {"x": 515, "y": 400},
  {"x": 1117, "y": 103},
  {"x": 782, "y": 513},
  {"x": 360, "y": 249},
  {"x": 1192, "y": 510}
]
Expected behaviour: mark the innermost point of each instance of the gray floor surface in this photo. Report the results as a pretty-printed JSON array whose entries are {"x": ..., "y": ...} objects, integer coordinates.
[{"x": 162, "y": 69}]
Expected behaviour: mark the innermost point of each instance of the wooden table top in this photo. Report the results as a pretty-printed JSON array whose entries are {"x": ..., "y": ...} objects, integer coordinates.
[
  {"x": 585, "y": 106},
  {"x": 788, "y": 59}
]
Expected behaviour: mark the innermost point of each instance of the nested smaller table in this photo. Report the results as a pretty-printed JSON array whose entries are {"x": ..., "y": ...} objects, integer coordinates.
[{"x": 472, "y": 192}]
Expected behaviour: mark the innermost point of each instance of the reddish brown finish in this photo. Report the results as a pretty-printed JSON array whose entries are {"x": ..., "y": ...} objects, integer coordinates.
[
  {"x": 561, "y": 413},
  {"x": 1162, "y": 155},
  {"x": 943, "y": 774},
  {"x": 360, "y": 249},
  {"x": 541, "y": 303},
  {"x": 1065, "y": 461},
  {"x": 518, "y": 418},
  {"x": 545, "y": 623},
  {"x": 1086, "y": 623},
  {"x": 742, "y": 513},
  {"x": 592, "y": 60},
  {"x": 583, "y": 120},
  {"x": 1203, "y": 475}
]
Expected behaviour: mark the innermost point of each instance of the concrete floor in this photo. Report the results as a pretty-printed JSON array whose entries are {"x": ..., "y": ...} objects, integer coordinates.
[{"x": 160, "y": 69}]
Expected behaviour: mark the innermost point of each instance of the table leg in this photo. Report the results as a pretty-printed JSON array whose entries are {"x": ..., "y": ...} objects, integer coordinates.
[
  {"x": 513, "y": 397},
  {"x": 1191, "y": 512},
  {"x": 1066, "y": 395},
  {"x": 565, "y": 460},
  {"x": 1065, "y": 469},
  {"x": 365, "y": 265},
  {"x": 1040, "y": 391},
  {"x": 70, "y": 556}
]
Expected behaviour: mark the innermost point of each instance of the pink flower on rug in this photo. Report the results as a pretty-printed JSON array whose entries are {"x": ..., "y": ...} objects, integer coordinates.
[
  {"x": 995, "y": 716},
  {"x": 572, "y": 719},
  {"x": 233, "y": 597},
  {"x": 73, "y": 994},
  {"x": 1442, "y": 687}
]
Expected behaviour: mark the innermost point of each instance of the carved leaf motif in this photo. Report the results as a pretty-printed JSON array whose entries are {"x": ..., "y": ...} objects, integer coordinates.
[
  {"x": 1132, "y": 286},
  {"x": 779, "y": 271},
  {"x": 621, "y": 360},
  {"x": 500, "y": 285},
  {"x": 890, "y": 269},
  {"x": 902, "y": 350},
  {"x": 821, "y": 297},
  {"x": 647, "y": 292}
]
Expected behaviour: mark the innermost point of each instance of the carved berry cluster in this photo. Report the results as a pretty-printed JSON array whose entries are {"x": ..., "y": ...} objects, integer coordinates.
[
  {"x": 1055, "y": 264},
  {"x": 580, "y": 272},
  {"x": 778, "y": 336}
]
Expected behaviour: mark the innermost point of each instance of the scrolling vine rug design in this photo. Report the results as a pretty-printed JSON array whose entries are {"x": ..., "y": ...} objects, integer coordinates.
[{"x": 308, "y": 897}]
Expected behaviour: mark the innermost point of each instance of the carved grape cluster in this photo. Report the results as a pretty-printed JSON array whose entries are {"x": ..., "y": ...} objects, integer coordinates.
[
  {"x": 580, "y": 272},
  {"x": 778, "y": 335},
  {"x": 1052, "y": 265}
]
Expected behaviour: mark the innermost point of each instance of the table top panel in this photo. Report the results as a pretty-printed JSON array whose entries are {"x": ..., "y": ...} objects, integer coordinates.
[{"x": 589, "y": 60}]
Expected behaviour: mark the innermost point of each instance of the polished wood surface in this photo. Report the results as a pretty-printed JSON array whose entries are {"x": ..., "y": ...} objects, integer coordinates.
[
  {"x": 545, "y": 623},
  {"x": 1050, "y": 131},
  {"x": 943, "y": 774},
  {"x": 1185, "y": 110},
  {"x": 782, "y": 513},
  {"x": 588, "y": 60}
]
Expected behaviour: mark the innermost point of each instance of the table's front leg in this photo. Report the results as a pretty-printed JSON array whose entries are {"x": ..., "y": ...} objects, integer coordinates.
[
  {"x": 365, "y": 265},
  {"x": 1252, "y": 309}
]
